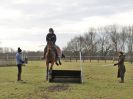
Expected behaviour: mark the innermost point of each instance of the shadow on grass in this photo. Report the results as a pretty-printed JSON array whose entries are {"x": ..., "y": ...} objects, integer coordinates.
[{"x": 55, "y": 88}]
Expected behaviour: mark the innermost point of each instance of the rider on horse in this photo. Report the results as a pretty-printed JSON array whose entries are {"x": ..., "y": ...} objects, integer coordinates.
[{"x": 51, "y": 37}]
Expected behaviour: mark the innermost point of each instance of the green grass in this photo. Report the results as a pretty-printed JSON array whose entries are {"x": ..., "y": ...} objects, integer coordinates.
[{"x": 100, "y": 82}]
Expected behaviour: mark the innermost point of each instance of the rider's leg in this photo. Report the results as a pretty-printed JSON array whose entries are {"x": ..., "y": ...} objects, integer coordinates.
[{"x": 45, "y": 50}]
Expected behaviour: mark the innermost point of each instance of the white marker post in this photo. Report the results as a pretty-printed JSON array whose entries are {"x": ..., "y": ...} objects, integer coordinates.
[
  {"x": 81, "y": 68},
  {"x": 80, "y": 55}
]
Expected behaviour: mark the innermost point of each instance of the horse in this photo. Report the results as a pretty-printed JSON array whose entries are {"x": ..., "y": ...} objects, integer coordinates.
[{"x": 50, "y": 58}]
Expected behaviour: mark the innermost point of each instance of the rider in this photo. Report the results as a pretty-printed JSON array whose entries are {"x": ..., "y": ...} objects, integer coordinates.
[{"x": 51, "y": 37}]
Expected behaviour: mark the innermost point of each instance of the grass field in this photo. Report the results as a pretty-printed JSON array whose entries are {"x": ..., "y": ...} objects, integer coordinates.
[{"x": 100, "y": 82}]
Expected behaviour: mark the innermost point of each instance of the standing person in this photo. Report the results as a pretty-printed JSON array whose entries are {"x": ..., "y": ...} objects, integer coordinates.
[
  {"x": 121, "y": 67},
  {"x": 19, "y": 62},
  {"x": 52, "y": 38}
]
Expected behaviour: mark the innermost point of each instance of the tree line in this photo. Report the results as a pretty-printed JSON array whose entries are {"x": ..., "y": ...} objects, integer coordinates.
[{"x": 102, "y": 41}]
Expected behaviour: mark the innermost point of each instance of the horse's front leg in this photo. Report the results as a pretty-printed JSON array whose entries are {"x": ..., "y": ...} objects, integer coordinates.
[
  {"x": 47, "y": 71},
  {"x": 60, "y": 61},
  {"x": 50, "y": 72},
  {"x": 51, "y": 66}
]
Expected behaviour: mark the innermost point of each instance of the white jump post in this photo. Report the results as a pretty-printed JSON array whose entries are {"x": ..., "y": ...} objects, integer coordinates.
[
  {"x": 81, "y": 67},
  {"x": 81, "y": 62}
]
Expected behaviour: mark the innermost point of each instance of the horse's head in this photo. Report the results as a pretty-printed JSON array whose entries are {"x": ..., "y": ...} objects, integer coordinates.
[{"x": 50, "y": 55}]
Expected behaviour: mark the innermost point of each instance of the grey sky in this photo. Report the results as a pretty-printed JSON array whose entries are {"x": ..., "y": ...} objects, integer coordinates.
[{"x": 26, "y": 22}]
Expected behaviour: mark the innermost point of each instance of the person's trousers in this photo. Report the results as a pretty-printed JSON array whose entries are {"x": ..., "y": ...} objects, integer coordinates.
[
  {"x": 121, "y": 74},
  {"x": 19, "y": 71}
]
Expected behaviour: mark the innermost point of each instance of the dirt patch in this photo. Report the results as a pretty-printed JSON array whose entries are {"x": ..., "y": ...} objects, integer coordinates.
[{"x": 54, "y": 88}]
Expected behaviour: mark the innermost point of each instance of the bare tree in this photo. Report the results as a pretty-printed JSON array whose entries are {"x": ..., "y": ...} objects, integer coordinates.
[
  {"x": 123, "y": 38},
  {"x": 130, "y": 43},
  {"x": 104, "y": 43},
  {"x": 114, "y": 36},
  {"x": 72, "y": 47},
  {"x": 89, "y": 42}
]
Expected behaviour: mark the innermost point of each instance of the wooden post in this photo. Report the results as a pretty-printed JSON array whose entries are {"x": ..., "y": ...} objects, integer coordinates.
[{"x": 70, "y": 59}]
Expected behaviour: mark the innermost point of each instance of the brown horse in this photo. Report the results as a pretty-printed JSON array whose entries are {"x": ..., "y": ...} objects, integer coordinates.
[{"x": 50, "y": 58}]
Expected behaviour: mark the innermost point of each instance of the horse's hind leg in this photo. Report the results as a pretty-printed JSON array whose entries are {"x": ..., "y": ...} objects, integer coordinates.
[
  {"x": 51, "y": 68},
  {"x": 60, "y": 61},
  {"x": 56, "y": 62}
]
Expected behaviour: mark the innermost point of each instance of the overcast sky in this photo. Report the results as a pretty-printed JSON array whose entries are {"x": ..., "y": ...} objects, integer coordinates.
[{"x": 25, "y": 23}]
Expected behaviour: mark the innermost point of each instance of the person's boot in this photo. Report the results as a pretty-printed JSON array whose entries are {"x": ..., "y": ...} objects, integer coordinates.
[
  {"x": 19, "y": 77},
  {"x": 122, "y": 80}
]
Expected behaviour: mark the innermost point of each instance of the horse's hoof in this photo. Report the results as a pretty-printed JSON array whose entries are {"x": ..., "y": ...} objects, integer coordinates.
[
  {"x": 57, "y": 64},
  {"x": 60, "y": 63},
  {"x": 50, "y": 72}
]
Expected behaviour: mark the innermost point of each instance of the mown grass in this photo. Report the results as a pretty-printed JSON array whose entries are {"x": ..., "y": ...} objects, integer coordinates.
[{"x": 100, "y": 82}]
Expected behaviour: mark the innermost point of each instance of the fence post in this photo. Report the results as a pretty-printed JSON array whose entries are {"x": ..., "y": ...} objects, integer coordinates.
[
  {"x": 105, "y": 58},
  {"x": 90, "y": 59},
  {"x": 6, "y": 56},
  {"x": 83, "y": 59},
  {"x": 98, "y": 58},
  {"x": 70, "y": 59},
  {"x": 76, "y": 59}
]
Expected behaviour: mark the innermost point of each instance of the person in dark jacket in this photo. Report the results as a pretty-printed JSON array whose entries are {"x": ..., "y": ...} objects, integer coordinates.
[
  {"x": 121, "y": 67},
  {"x": 19, "y": 62},
  {"x": 52, "y": 38}
]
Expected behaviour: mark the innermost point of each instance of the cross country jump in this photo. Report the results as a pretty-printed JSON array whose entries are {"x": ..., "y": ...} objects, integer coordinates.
[{"x": 53, "y": 55}]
